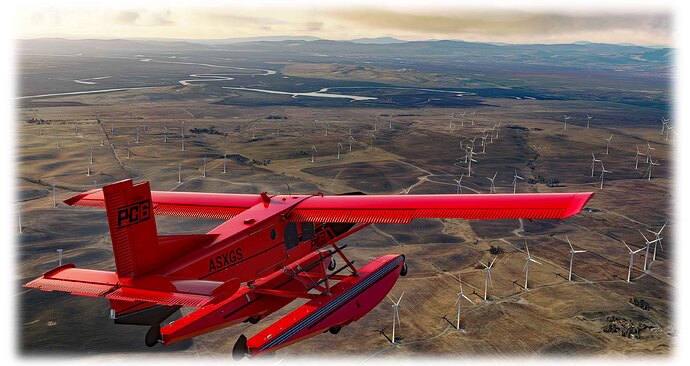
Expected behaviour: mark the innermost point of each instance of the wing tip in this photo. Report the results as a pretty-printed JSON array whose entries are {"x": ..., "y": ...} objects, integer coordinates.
[{"x": 577, "y": 203}]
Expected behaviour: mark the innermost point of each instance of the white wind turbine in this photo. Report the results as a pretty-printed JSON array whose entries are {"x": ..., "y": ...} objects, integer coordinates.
[
  {"x": 461, "y": 295},
  {"x": 487, "y": 277},
  {"x": 498, "y": 128},
  {"x": 469, "y": 162},
  {"x": 459, "y": 182},
  {"x": 565, "y": 121},
  {"x": 313, "y": 152},
  {"x": 529, "y": 259},
  {"x": 493, "y": 187},
  {"x": 350, "y": 139},
  {"x": 515, "y": 178},
  {"x": 340, "y": 146},
  {"x": 594, "y": 161},
  {"x": 396, "y": 315},
  {"x": 572, "y": 255},
  {"x": 603, "y": 170},
  {"x": 637, "y": 156},
  {"x": 647, "y": 242},
  {"x": 632, "y": 258},
  {"x": 649, "y": 168},
  {"x": 649, "y": 147},
  {"x": 657, "y": 234},
  {"x": 589, "y": 118},
  {"x": 608, "y": 144},
  {"x": 372, "y": 138}
]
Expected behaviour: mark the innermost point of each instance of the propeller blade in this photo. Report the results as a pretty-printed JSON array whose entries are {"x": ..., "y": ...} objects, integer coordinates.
[
  {"x": 571, "y": 246},
  {"x": 637, "y": 251},
  {"x": 535, "y": 261},
  {"x": 645, "y": 238},
  {"x": 491, "y": 280},
  {"x": 492, "y": 262},
  {"x": 400, "y": 298},
  {"x": 662, "y": 228},
  {"x": 626, "y": 245},
  {"x": 467, "y": 298},
  {"x": 579, "y": 251}
]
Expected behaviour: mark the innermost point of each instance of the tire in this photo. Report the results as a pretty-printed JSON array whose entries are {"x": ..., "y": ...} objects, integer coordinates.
[
  {"x": 153, "y": 335},
  {"x": 331, "y": 265},
  {"x": 335, "y": 330},
  {"x": 403, "y": 270}
]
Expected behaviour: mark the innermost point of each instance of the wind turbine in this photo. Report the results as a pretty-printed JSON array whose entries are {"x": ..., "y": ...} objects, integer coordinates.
[
  {"x": 461, "y": 295},
  {"x": 637, "y": 156},
  {"x": 657, "y": 234},
  {"x": 646, "y": 253},
  {"x": 459, "y": 182},
  {"x": 313, "y": 152},
  {"x": 179, "y": 173},
  {"x": 182, "y": 133},
  {"x": 565, "y": 121},
  {"x": 350, "y": 139},
  {"x": 165, "y": 138},
  {"x": 372, "y": 138},
  {"x": 225, "y": 157},
  {"x": 649, "y": 147},
  {"x": 405, "y": 190},
  {"x": 515, "y": 178},
  {"x": 608, "y": 143},
  {"x": 632, "y": 257},
  {"x": 594, "y": 161},
  {"x": 469, "y": 162},
  {"x": 589, "y": 118},
  {"x": 204, "y": 168},
  {"x": 339, "y": 147},
  {"x": 529, "y": 259},
  {"x": 487, "y": 276},
  {"x": 493, "y": 188},
  {"x": 396, "y": 315},
  {"x": 137, "y": 141},
  {"x": 498, "y": 128},
  {"x": 572, "y": 255},
  {"x": 649, "y": 168},
  {"x": 603, "y": 170}
]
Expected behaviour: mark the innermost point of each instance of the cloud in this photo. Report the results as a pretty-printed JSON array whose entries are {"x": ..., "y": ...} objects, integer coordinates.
[
  {"x": 509, "y": 24},
  {"x": 143, "y": 18}
]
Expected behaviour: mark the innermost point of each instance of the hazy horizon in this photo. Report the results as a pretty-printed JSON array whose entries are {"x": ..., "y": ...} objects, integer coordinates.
[{"x": 648, "y": 26}]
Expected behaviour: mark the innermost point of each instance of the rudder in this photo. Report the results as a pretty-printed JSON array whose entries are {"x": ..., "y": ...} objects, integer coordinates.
[{"x": 132, "y": 228}]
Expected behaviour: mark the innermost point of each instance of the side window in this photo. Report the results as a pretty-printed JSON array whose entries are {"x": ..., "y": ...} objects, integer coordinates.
[
  {"x": 291, "y": 236},
  {"x": 307, "y": 231}
]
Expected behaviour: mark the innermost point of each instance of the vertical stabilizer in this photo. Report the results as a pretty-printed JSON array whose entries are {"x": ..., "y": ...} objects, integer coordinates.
[{"x": 132, "y": 228}]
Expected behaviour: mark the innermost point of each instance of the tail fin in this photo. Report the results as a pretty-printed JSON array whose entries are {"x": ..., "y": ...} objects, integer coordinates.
[{"x": 132, "y": 228}]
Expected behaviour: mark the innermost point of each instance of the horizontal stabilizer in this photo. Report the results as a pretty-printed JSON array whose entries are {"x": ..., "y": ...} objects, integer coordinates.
[
  {"x": 76, "y": 281},
  {"x": 182, "y": 204},
  {"x": 159, "y": 297}
]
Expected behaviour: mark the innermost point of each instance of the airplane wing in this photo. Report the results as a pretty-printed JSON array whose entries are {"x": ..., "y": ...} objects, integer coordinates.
[
  {"x": 182, "y": 204},
  {"x": 401, "y": 209},
  {"x": 391, "y": 209}
]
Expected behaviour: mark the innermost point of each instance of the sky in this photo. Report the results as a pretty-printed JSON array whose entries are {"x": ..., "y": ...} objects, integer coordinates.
[{"x": 637, "y": 22}]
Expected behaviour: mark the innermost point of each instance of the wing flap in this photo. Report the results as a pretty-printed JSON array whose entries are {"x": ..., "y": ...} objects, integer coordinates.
[
  {"x": 159, "y": 297},
  {"x": 404, "y": 208}
]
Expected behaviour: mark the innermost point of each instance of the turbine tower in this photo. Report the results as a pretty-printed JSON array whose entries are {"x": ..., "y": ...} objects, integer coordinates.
[
  {"x": 493, "y": 187},
  {"x": 459, "y": 182},
  {"x": 529, "y": 259},
  {"x": 461, "y": 295},
  {"x": 589, "y": 118},
  {"x": 646, "y": 253},
  {"x": 340, "y": 146},
  {"x": 396, "y": 315},
  {"x": 313, "y": 152},
  {"x": 649, "y": 168},
  {"x": 608, "y": 143},
  {"x": 603, "y": 170},
  {"x": 487, "y": 277},
  {"x": 632, "y": 258},
  {"x": 657, "y": 234},
  {"x": 594, "y": 161},
  {"x": 637, "y": 156},
  {"x": 565, "y": 122},
  {"x": 515, "y": 178},
  {"x": 572, "y": 255}
]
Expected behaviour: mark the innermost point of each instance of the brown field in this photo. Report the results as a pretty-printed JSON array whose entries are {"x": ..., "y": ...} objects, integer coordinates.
[{"x": 555, "y": 317}]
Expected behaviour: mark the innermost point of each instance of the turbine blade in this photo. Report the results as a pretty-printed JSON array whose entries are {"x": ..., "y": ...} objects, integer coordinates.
[
  {"x": 492, "y": 262},
  {"x": 662, "y": 228},
  {"x": 537, "y": 262},
  {"x": 400, "y": 298},
  {"x": 579, "y": 251},
  {"x": 645, "y": 238},
  {"x": 467, "y": 298},
  {"x": 626, "y": 245},
  {"x": 571, "y": 246}
]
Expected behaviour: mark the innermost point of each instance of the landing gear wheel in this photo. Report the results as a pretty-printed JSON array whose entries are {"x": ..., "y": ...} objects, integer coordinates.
[
  {"x": 335, "y": 330},
  {"x": 331, "y": 266},
  {"x": 240, "y": 348},
  {"x": 153, "y": 335},
  {"x": 254, "y": 319},
  {"x": 403, "y": 270}
]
